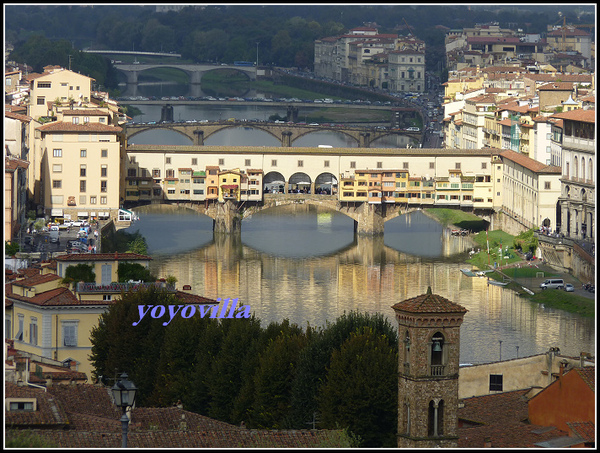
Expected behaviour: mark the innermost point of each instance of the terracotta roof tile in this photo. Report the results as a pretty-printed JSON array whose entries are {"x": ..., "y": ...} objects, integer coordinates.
[
  {"x": 586, "y": 116},
  {"x": 103, "y": 257},
  {"x": 429, "y": 303},
  {"x": 49, "y": 412},
  {"x": 529, "y": 163},
  {"x": 62, "y": 126},
  {"x": 584, "y": 430},
  {"x": 36, "y": 280}
]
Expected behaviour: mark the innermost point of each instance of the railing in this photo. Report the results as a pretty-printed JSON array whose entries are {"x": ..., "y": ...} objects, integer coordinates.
[
  {"x": 83, "y": 287},
  {"x": 436, "y": 370}
]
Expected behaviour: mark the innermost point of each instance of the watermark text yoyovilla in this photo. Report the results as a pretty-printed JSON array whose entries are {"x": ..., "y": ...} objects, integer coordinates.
[{"x": 229, "y": 309}]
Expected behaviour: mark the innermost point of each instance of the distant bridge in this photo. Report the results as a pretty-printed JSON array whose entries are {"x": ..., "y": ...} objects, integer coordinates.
[
  {"x": 286, "y": 133},
  {"x": 195, "y": 71},
  {"x": 133, "y": 52}
]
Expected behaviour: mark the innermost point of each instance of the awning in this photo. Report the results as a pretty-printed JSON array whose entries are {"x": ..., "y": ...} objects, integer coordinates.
[
  {"x": 92, "y": 214},
  {"x": 229, "y": 187},
  {"x": 82, "y": 214}
]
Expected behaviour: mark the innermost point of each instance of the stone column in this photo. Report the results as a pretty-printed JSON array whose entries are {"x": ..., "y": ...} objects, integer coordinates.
[
  {"x": 364, "y": 140},
  {"x": 198, "y": 137},
  {"x": 227, "y": 219},
  {"x": 370, "y": 219},
  {"x": 286, "y": 139}
]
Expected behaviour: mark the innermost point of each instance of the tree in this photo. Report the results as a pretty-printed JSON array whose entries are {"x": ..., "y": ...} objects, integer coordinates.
[
  {"x": 138, "y": 245},
  {"x": 11, "y": 248},
  {"x": 361, "y": 389},
  {"x": 79, "y": 273},
  {"x": 135, "y": 272}
]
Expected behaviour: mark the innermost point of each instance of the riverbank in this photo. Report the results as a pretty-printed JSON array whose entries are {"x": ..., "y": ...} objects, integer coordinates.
[{"x": 510, "y": 266}]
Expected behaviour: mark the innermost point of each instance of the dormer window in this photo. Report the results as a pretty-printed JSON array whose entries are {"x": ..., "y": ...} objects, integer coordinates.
[{"x": 21, "y": 404}]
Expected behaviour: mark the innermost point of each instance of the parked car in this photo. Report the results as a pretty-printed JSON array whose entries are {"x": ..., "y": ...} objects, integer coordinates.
[
  {"x": 553, "y": 283},
  {"x": 569, "y": 288}
]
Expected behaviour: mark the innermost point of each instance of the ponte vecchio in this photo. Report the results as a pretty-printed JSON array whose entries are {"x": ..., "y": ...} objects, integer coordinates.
[{"x": 370, "y": 185}]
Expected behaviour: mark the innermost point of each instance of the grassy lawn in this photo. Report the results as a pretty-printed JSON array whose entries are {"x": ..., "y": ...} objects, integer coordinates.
[
  {"x": 562, "y": 300},
  {"x": 458, "y": 218}
]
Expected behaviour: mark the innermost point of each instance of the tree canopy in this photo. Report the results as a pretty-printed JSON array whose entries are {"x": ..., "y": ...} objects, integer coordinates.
[{"x": 274, "y": 377}]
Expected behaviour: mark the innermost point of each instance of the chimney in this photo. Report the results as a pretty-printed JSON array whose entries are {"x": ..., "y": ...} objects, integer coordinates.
[
  {"x": 49, "y": 381},
  {"x": 73, "y": 365}
]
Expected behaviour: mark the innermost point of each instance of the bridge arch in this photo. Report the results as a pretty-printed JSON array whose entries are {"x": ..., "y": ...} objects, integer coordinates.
[
  {"x": 154, "y": 127},
  {"x": 144, "y": 70},
  {"x": 274, "y": 180},
  {"x": 240, "y": 126},
  {"x": 325, "y": 129}
]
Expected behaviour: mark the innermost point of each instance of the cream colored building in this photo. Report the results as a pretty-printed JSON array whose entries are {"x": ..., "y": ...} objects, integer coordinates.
[
  {"x": 81, "y": 165},
  {"x": 57, "y": 86},
  {"x": 406, "y": 70},
  {"x": 531, "y": 190}
]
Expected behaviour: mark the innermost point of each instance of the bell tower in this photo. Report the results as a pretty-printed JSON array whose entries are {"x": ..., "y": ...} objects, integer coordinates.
[{"x": 428, "y": 355}]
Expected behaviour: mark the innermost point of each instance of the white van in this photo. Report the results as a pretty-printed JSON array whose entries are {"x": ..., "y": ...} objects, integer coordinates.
[{"x": 553, "y": 283}]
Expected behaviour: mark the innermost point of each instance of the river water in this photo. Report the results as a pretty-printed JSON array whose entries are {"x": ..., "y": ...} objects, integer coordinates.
[{"x": 309, "y": 267}]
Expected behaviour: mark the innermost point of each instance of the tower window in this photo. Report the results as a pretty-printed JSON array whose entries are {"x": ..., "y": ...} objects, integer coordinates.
[
  {"x": 437, "y": 355},
  {"x": 435, "y": 422}
]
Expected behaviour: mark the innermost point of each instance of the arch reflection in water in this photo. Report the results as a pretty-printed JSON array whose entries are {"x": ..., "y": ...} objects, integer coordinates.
[{"x": 298, "y": 231}]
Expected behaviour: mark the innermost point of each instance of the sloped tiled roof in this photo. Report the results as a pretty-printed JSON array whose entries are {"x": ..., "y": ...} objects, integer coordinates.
[
  {"x": 57, "y": 297},
  {"x": 429, "y": 303},
  {"x": 48, "y": 414},
  {"x": 588, "y": 375},
  {"x": 102, "y": 257},
  {"x": 586, "y": 116},
  {"x": 529, "y": 163},
  {"x": 584, "y": 430},
  {"x": 503, "y": 419},
  {"x": 36, "y": 280},
  {"x": 62, "y": 126}
]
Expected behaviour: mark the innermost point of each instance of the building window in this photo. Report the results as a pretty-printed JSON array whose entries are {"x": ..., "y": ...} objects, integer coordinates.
[
  {"x": 168, "y": 160},
  {"x": 405, "y": 165},
  {"x": 75, "y": 120},
  {"x": 41, "y": 100},
  {"x": 547, "y": 185},
  {"x": 457, "y": 166},
  {"x": 82, "y": 169},
  {"x": 69, "y": 333},
  {"x": 221, "y": 162},
  {"x": 156, "y": 173},
  {"x": 435, "y": 423},
  {"x": 194, "y": 161},
  {"x": 326, "y": 164},
  {"x": 102, "y": 200},
  {"x": 495, "y": 383},
  {"x": 83, "y": 153},
  {"x": 483, "y": 165},
  {"x": 300, "y": 163},
  {"x": 82, "y": 186},
  {"x": 104, "y": 171},
  {"x": 57, "y": 184},
  {"x": 103, "y": 186},
  {"x": 92, "y": 200},
  {"x": 44, "y": 84},
  {"x": 247, "y": 162},
  {"x": 107, "y": 297},
  {"x": 379, "y": 164},
  {"x": 352, "y": 164},
  {"x": 104, "y": 153},
  {"x": 57, "y": 168},
  {"x": 25, "y": 406},
  {"x": 19, "y": 335},
  {"x": 57, "y": 153}
]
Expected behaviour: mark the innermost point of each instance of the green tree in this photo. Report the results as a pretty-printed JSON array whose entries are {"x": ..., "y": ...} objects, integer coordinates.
[
  {"x": 361, "y": 389},
  {"x": 11, "y": 248},
  {"x": 135, "y": 272},
  {"x": 79, "y": 273},
  {"x": 138, "y": 245}
]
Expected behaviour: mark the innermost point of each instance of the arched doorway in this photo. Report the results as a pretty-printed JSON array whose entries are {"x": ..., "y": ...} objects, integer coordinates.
[
  {"x": 273, "y": 182},
  {"x": 326, "y": 183},
  {"x": 299, "y": 183}
]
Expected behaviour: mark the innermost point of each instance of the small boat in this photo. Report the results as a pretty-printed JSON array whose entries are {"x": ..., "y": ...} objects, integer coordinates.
[
  {"x": 497, "y": 283},
  {"x": 468, "y": 272}
]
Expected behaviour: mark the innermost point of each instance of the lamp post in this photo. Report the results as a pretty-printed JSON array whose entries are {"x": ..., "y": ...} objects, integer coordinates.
[
  {"x": 257, "y": 43},
  {"x": 124, "y": 392}
]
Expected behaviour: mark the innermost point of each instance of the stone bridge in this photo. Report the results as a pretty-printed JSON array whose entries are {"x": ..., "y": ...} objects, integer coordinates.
[
  {"x": 287, "y": 133},
  {"x": 194, "y": 71},
  {"x": 368, "y": 218}
]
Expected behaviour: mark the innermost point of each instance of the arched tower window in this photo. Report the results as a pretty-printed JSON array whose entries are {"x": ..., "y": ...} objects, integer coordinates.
[
  {"x": 575, "y": 168},
  {"x": 591, "y": 170},
  {"x": 435, "y": 425},
  {"x": 437, "y": 355}
]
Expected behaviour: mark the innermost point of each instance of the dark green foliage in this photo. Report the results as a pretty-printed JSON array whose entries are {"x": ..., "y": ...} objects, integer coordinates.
[
  {"x": 135, "y": 272},
  {"x": 122, "y": 241},
  {"x": 526, "y": 241},
  {"x": 79, "y": 273},
  {"x": 11, "y": 248},
  {"x": 234, "y": 370},
  {"x": 26, "y": 439},
  {"x": 360, "y": 391}
]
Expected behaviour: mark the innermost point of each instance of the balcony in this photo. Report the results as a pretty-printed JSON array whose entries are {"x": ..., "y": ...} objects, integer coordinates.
[
  {"x": 89, "y": 288},
  {"x": 436, "y": 370}
]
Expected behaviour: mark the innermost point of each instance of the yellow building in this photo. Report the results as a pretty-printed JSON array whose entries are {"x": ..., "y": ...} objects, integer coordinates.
[
  {"x": 49, "y": 319},
  {"x": 229, "y": 185}
]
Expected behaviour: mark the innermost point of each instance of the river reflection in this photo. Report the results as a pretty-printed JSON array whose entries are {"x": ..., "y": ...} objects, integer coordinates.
[{"x": 309, "y": 267}]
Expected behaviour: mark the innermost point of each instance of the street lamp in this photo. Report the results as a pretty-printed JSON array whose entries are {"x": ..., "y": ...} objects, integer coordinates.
[{"x": 124, "y": 394}]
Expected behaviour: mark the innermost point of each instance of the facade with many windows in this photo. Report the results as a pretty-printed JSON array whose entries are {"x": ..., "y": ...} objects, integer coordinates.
[{"x": 578, "y": 181}]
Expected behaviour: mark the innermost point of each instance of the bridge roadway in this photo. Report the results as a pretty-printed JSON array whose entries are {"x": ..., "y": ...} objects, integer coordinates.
[
  {"x": 286, "y": 133},
  {"x": 195, "y": 71},
  {"x": 368, "y": 218}
]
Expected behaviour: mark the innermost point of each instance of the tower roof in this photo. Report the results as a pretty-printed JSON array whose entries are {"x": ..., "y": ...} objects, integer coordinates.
[{"x": 429, "y": 303}]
